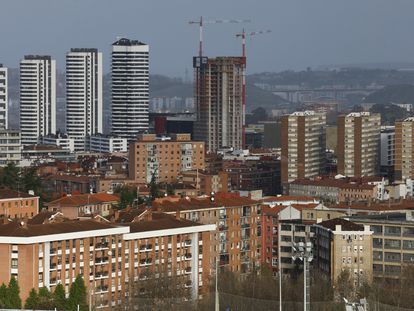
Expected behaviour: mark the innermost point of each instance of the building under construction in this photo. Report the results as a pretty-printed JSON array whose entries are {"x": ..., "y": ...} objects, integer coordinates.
[{"x": 219, "y": 100}]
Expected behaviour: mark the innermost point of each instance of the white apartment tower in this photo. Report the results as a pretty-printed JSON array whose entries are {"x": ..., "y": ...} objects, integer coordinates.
[
  {"x": 84, "y": 105},
  {"x": 37, "y": 98},
  {"x": 3, "y": 97},
  {"x": 130, "y": 88}
]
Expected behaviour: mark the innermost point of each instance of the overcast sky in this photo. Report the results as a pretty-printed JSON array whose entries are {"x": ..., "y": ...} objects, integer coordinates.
[{"x": 304, "y": 32}]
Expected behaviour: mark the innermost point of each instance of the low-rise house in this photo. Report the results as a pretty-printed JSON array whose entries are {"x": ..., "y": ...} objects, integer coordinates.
[
  {"x": 75, "y": 206},
  {"x": 16, "y": 204}
]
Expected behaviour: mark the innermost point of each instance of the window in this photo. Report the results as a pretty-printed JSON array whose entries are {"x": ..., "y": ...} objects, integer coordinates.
[{"x": 14, "y": 263}]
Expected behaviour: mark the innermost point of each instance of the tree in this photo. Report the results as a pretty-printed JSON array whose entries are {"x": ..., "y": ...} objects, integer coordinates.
[
  {"x": 31, "y": 181},
  {"x": 170, "y": 189},
  {"x": 59, "y": 297},
  {"x": 13, "y": 295},
  {"x": 344, "y": 285},
  {"x": 10, "y": 176},
  {"x": 77, "y": 295},
  {"x": 4, "y": 301},
  {"x": 32, "y": 302},
  {"x": 45, "y": 299},
  {"x": 154, "y": 187},
  {"x": 126, "y": 195}
]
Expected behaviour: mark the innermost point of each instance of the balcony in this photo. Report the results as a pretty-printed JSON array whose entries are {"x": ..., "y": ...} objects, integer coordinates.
[
  {"x": 101, "y": 261},
  {"x": 145, "y": 248},
  {"x": 223, "y": 228},
  {"x": 101, "y": 289},
  {"x": 102, "y": 246},
  {"x": 222, "y": 216},
  {"x": 101, "y": 275},
  {"x": 187, "y": 243},
  {"x": 245, "y": 225},
  {"x": 145, "y": 262},
  {"x": 188, "y": 256},
  {"x": 53, "y": 266}
]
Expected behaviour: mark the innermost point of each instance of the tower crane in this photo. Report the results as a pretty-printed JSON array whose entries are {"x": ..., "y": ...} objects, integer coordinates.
[
  {"x": 243, "y": 36},
  {"x": 202, "y": 22}
]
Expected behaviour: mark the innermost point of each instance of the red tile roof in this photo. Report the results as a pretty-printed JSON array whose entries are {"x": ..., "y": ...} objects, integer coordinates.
[
  {"x": 11, "y": 194},
  {"x": 346, "y": 225},
  {"x": 16, "y": 229},
  {"x": 160, "y": 221},
  {"x": 84, "y": 199}
]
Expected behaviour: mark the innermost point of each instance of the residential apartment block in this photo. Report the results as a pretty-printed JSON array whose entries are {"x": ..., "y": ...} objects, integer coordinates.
[
  {"x": 115, "y": 260},
  {"x": 358, "y": 148},
  {"x": 10, "y": 147},
  {"x": 393, "y": 242},
  {"x": 303, "y": 145},
  {"x": 84, "y": 95},
  {"x": 164, "y": 158},
  {"x": 4, "y": 100},
  {"x": 404, "y": 149},
  {"x": 15, "y": 204},
  {"x": 130, "y": 88},
  {"x": 340, "y": 244},
  {"x": 236, "y": 241},
  {"x": 206, "y": 183},
  {"x": 37, "y": 98}
]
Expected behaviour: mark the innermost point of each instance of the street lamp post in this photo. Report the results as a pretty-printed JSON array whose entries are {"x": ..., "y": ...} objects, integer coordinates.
[{"x": 303, "y": 251}]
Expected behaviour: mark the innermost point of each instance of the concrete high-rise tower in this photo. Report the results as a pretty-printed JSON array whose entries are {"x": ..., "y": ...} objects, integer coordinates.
[
  {"x": 37, "y": 98},
  {"x": 358, "y": 148},
  {"x": 130, "y": 88},
  {"x": 303, "y": 143},
  {"x": 84, "y": 106},
  {"x": 3, "y": 97},
  {"x": 219, "y": 101}
]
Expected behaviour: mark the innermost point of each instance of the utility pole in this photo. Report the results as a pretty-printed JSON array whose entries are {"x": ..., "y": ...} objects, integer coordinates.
[{"x": 303, "y": 251}]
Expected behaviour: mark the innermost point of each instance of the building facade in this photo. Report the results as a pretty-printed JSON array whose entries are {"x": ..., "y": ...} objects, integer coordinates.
[
  {"x": 219, "y": 101},
  {"x": 4, "y": 101},
  {"x": 107, "y": 144},
  {"x": 114, "y": 260},
  {"x": 404, "y": 149},
  {"x": 393, "y": 242},
  {"x": 358, "y": 147},
  {"x": 15, "y": 204},
  {"x": 340, "y": 244},
  {"x": 130, "y": 88},
  {"x": 37, "y": 98},
  {"x": 10, "y": 147},
  {"x": 84, "y": 103},
  {"x": 164, "y": 158},
  {"x": 63, "y": 141},
  {"x": 303, "y": 145}
]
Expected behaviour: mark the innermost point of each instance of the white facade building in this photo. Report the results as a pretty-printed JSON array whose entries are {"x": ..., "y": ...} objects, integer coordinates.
[
  {"x": 130, "y": 88},
  {"x": 83, "y": 95},
  {"x": 62, "y": 141},
  {"x": 10, "y": 147},
  {"x": 3, "y": 97},
  {"x": 107, "y": 144},
  {"x": 37, "y": 98}
]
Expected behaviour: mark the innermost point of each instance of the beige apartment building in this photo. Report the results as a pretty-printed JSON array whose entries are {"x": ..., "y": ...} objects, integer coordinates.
[
  {"x": 205, "y": 182},
  {"x": 165, "y": 158},
  {"x": 15, "y": 204},
  {"x": 115, "y": 260},
  {"x": 404, "y": 149},
  {"x": 393, "y": 242},
  {"x": 341, "y": 244},
  {"x": 358, "y": 150},
  {"x": 303, "y": 145}
]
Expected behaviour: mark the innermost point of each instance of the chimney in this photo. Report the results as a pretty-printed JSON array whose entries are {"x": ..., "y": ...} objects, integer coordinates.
[
  {"x": 338, "y": 227},
  {"x": 177, "y": 215}
]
